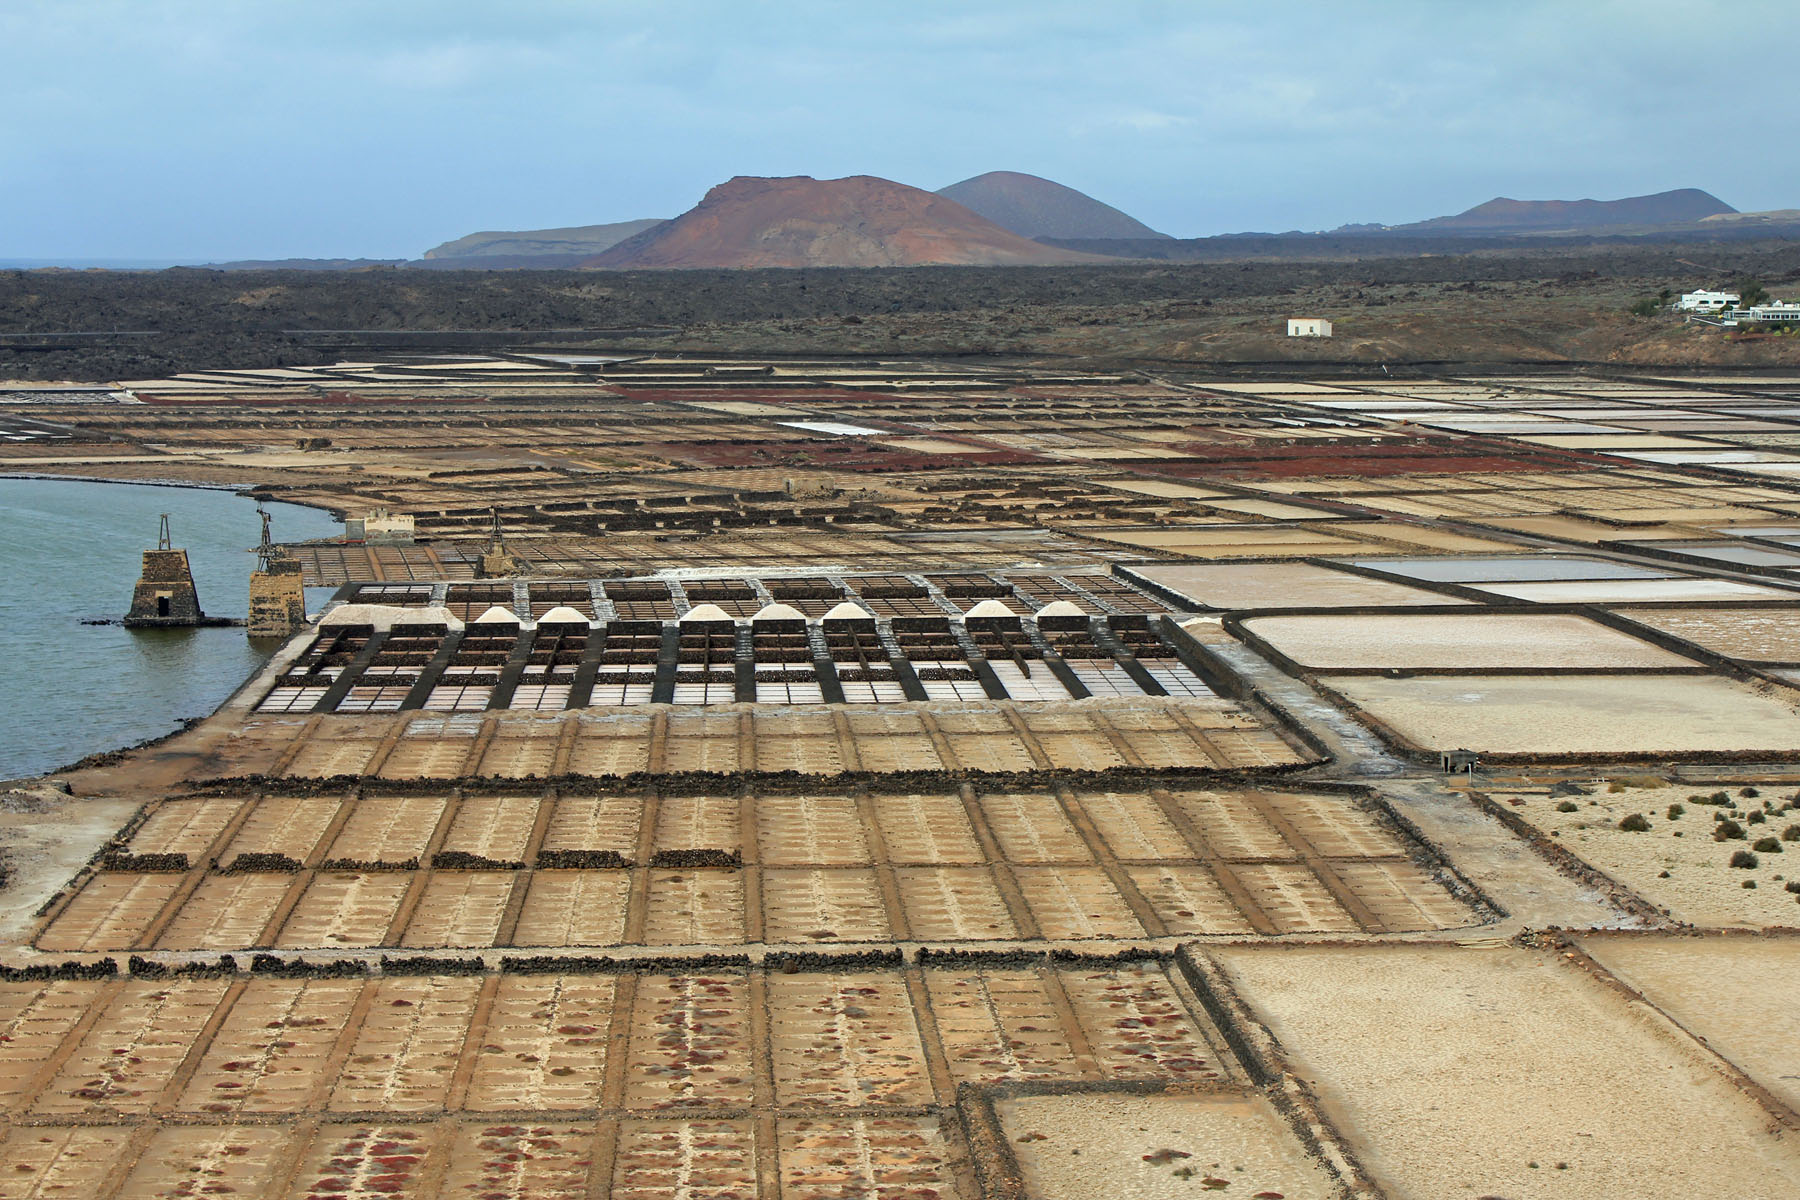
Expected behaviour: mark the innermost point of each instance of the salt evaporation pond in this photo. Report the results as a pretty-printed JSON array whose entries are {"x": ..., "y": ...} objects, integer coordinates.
[{"x": 1520, "y": 569}]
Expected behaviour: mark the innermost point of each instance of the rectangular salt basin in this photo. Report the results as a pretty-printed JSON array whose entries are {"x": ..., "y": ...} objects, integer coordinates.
[
  {"x": 1578, "y": 714},
  {"x": 1273, "y": 509},
  {"x": 1615, "y": 441},
  {"x": 1098, "y": 1145},
  {"x": 1172, "y": 491},
  {"x": 838, "y": 428},
  {"x": 1706, "y": 458},
  {"x": 1712, "y": 425},
  {"x": 1682, "y": 976},
  {"x": 1464, "y": 426},
  {"x": 1625, "y": 591},
  {"x": 1769, "y": 634},
  {"x": 1281, "y": 585},
  {"x": 1381, "y": 407},
  {"x": 1780, "y": 469},
  {"x": 1474, "y": 639},
  {"x": 1750, "y": 556},
  {"x": 1515, "y": 568},
  {"x": 1474, "y": 1072},
  {"x": 1768, "y": 531}
]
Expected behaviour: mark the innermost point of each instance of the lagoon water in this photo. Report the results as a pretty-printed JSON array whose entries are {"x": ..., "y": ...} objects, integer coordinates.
[{"x": 71, "y": 550}]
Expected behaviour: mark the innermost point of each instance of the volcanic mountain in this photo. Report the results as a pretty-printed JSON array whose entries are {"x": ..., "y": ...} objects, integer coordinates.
[
  {"x": 798, "y": 221},
  {"x": 1039, "y": 208},
  {"x": 1503, "y": 215}
]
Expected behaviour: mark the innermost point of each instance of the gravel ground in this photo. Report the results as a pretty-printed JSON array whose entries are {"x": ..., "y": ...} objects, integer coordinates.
[{"x": 1676, "y": 864}]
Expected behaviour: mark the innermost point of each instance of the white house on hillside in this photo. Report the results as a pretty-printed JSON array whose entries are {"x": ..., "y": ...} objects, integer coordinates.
[
  {"x": 1309, "y": 327},
  {"x": 1707, "y": 301}
]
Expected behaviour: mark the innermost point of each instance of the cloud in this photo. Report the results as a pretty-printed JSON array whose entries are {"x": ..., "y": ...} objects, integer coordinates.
[
  {"x": 1138, "y": 120},
  {"x": 219, "y": 129}
]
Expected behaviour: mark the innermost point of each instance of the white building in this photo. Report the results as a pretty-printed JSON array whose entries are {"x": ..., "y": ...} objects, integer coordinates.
[
  {"x": 1707, "y": 301},
  {"x": 380, "y": 527},
  {"x": 1778, "y": 312},
  {"x": 1309, "y": 327}
]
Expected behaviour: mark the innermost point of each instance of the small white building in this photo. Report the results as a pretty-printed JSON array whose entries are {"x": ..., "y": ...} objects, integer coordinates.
[
  {"x": 1704, "y": 301},
  {"x": 1778, "y": 312},
  {"x": 1309, "y": 327},
  {"x": 379, "y": 527}
]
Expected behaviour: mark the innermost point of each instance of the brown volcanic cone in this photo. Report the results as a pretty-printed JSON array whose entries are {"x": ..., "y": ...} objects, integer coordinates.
[
  {"x": 799, "y": 221},
  {"x": 1034, "y": 207}
]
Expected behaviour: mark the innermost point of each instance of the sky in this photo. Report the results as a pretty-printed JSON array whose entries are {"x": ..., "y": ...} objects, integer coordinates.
[{"x": 204, "y": 130}]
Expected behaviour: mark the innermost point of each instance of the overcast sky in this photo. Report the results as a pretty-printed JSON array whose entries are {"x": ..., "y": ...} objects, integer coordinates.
[{"x": 213, "y": 129}]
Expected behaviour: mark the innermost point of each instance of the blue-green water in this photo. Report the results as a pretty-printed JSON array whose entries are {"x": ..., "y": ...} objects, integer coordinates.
[{"x": 71, "y": 550}]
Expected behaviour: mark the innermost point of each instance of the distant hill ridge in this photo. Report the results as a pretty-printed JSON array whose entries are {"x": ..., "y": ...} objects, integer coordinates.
[
  {"x": 1503, "y": 213},
  {"x": 799, "y": 221},
  {"x": 1040, "y": 208},
  {"x": 579, "y": 240}
]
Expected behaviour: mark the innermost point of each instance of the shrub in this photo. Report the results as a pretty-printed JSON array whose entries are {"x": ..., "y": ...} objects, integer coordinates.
[
  {"x": 1637, "y": 823},
  {"x": 1794, "y": 887},
  {"x": 1749, "y": 793},
  {"x": 1744, "y": 859},
  {"x": 1728, "y": 830},
  {"x": 1568, "y": 806},
  {"x": 1791, "y": 834},
  {"x": 1755, "y": 816},
  {"x": 1767, "y": 846},
  {"x": 1748, "y": 883},
  {"x": 1721, "y": 799},
  {"x": 1675, "y": 811}
]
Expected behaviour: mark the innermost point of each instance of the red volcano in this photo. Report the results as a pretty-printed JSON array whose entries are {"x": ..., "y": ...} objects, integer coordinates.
[{"x": 799, "y": 221}]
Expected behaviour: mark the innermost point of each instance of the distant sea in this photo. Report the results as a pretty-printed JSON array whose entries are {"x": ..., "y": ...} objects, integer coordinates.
[
  {"x": 71, "y": 550},
  {"x": 89, "y": 264}
]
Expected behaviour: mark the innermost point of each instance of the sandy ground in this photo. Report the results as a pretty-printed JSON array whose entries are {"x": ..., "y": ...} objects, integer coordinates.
[
  {"x": 45, "y": 838},
  {"x": 1475, "y": 640},
  {"x": 1084, "y": 1147},
  {"x": 1700, "y": 887},
  {"x": 1753, "y": 634},
  {"x": 1503, "y": 1072},
  {"x": 1579, "y": 714},
  {"x": 1736, "y": 994},
  {"x": 1281, "y": 585}
]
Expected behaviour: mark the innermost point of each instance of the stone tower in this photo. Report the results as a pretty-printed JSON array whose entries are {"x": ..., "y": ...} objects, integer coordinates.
[
  {"x": 277, "y": 591},
  {"x": 496, "y": 562},
  {"x": 165, "y": 597}
]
